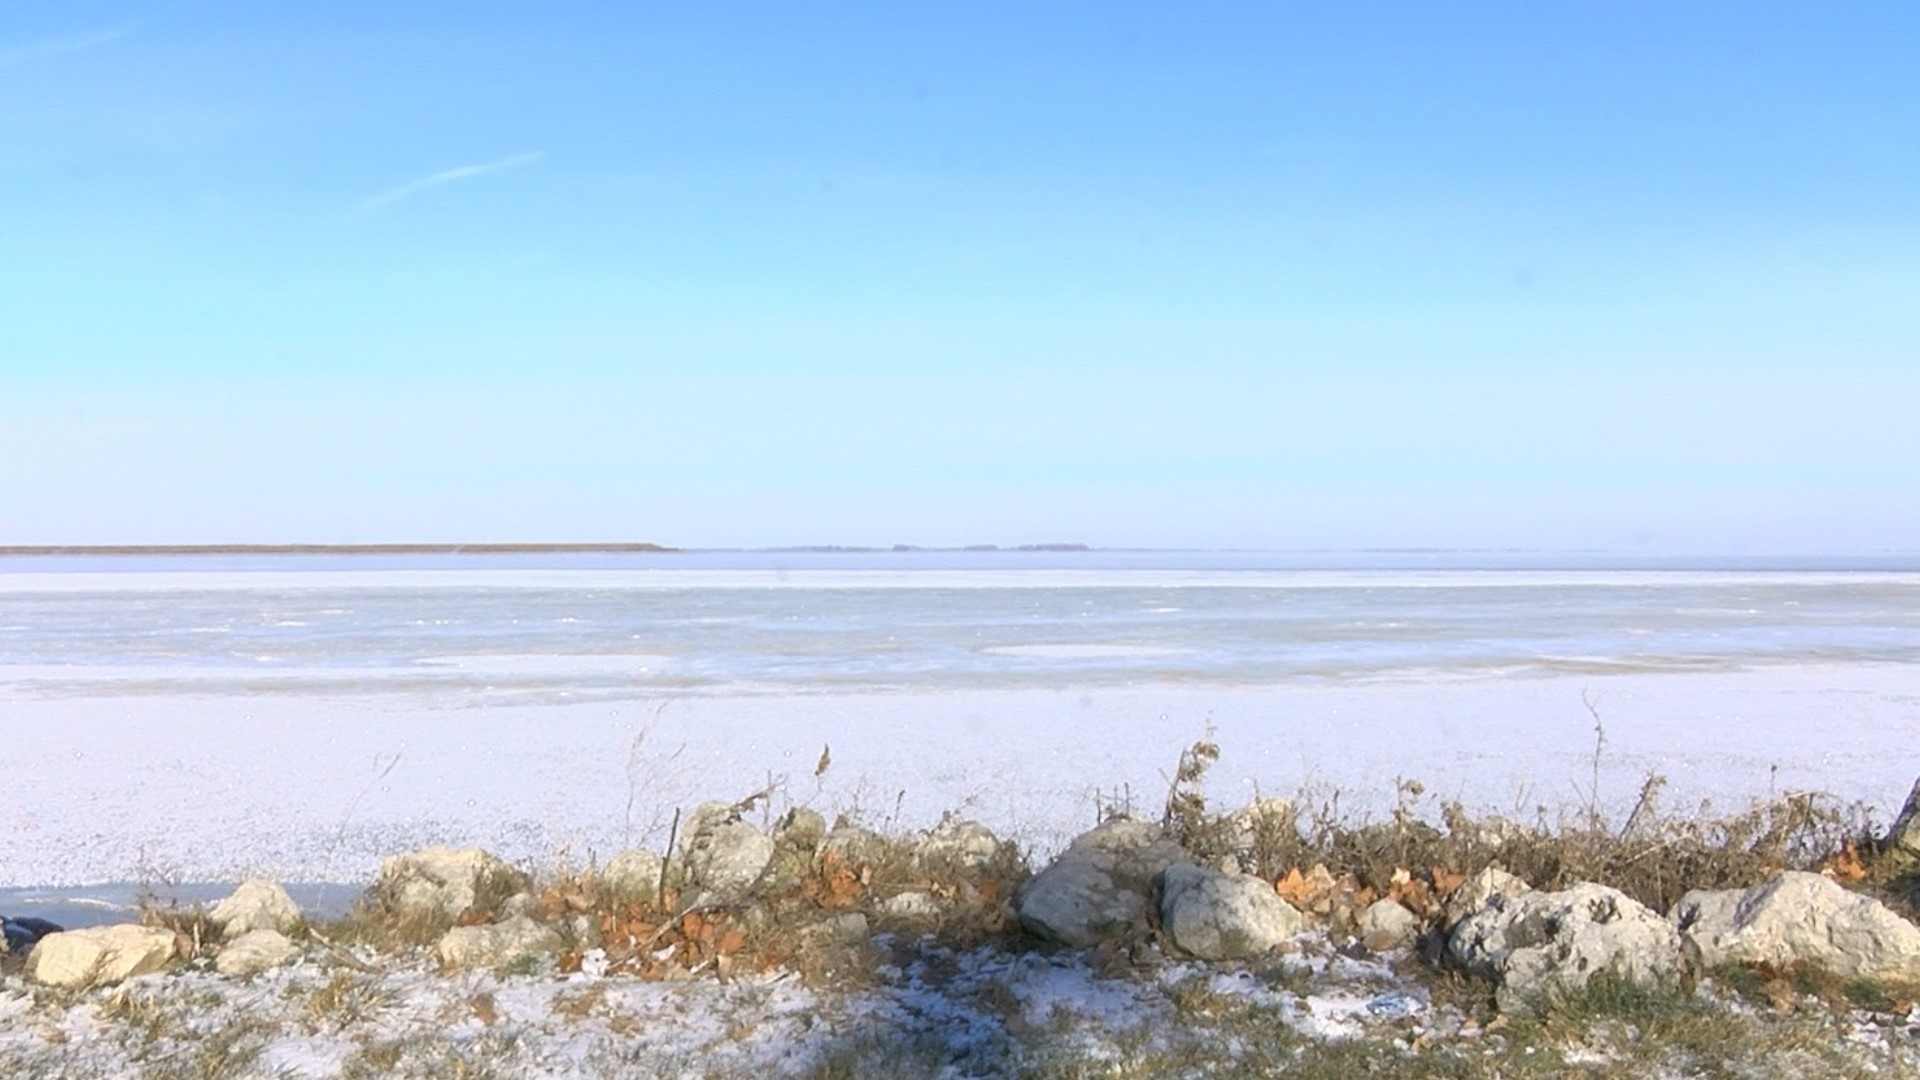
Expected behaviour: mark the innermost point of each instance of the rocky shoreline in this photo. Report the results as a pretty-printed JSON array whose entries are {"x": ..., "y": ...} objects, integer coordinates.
[{"x": 843, "y": 914}]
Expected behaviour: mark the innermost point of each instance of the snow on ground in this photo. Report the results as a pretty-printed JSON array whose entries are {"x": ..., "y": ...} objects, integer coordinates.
[{"x": 173, "y": 787}]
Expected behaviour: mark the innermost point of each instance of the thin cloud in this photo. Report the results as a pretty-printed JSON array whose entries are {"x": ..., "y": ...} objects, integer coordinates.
[
  {"x": 445, "y": 176},
  {"x": 50, "y": 47}
]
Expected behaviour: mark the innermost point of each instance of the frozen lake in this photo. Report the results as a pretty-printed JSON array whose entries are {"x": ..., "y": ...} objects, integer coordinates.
[{"x": 197, "y": 719}]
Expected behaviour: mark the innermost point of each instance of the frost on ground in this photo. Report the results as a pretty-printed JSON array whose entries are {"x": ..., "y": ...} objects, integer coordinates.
[{"x": 923, "y": 1011}]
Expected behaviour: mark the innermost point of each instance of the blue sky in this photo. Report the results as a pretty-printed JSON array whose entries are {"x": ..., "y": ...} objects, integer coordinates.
[{"x": 1632, "y": 277}]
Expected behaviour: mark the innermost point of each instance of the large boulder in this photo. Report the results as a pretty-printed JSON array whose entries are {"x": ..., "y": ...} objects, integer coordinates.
[
  {"x": 1220, "y": 916},
  {"x": 496, "y": 945},
  {"x": 1097, "y": 890},
  {"x": 99, "y": 955},
  {"x": 441, "y": 881},
  {"x": 724, "y": 854},
  {"x": 255, "y": 905},
  {"x": 1540, "y": 943},
  {"x": 1800, "y": 918},
  {"x": 254, "y": 952}
]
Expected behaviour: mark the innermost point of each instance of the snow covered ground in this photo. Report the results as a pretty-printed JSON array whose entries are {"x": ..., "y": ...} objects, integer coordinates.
[{"x": 181, "y": 787}]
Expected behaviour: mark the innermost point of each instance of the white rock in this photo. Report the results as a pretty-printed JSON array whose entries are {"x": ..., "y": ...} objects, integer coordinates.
[
  {"x": 1800, "y": 918},
  {"x": 99, "y": 955},
  {"x": 1538, "y": 942},
  {"x": 1479, "y": 891},
  {"x": 254, "y": 952},
  {"x": 443, "y": 880},
  {"x": 1217, "y": 916},
  {"x": 632, "y": 875},
  {"x": 495, "y": 945},
  {"x": 255, "y": 905},
  {"x": 911, "y": 905},
  {"x": 1097, "y": 890},
  {"x": 965, "y": 845},
  {"x": 800, "y": 828},
  {"x": 1387, "y": 924}
]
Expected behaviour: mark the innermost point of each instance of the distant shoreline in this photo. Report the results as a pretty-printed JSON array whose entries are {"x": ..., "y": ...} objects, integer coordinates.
[{"x": 337, "y": 549}]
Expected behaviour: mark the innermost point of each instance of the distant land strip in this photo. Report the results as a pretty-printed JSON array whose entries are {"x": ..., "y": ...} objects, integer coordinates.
[{"x": 330, "y": 549}]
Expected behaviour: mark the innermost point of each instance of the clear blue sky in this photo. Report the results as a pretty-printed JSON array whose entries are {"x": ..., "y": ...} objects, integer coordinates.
[{"x": 1634, "y": 277}]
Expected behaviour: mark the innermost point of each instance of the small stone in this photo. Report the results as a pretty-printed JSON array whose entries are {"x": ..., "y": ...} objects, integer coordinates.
[
  {"x": 254, "y": 952},
  {"x": 800, "y": 828},
  {"x": 1387, "y": 924},
  {"x": 911, "y": 905}
]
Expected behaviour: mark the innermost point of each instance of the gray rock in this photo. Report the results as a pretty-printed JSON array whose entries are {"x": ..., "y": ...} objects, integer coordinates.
[
  {"x": 1903, "y": 840},
  {"x": 443, "y": 881},
  {"x": 1097, "y": 890},
  {"x": 800, "y": 828},
  {"x": 723, "y": 854},
  {"x": 1800, "y": 918},
  {"x": 496, "y": 945},
  {"x": 848, "y": 927},
  {"x": 1540, "y": 943},
  {"x": 1387, "y": 924},
  {"x": 255, "y": 905},
  {"x": 852, "y": 845},
  {"x": 967, "y": 846},
  {"x": 253, "y": 952},
  {"x": 1479, "y": 891},
  {"x": 632, "y": 876},
  {"x": 99, "y": 955},
  {"x": 1217, "y": 916}
]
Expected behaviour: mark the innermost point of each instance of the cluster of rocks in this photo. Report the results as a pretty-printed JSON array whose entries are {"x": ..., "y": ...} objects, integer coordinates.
[
  {"x": 1121, "y": 885},
  {"x": 1125, "y": 882}
]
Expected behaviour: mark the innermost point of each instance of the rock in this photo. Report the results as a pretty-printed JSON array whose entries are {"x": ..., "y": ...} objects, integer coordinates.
[
  {"x": 967, "y": 846},
  {"x": 254, "y": 952},
  {"x": 443, "y": 881},
  {"x": 1540, "y": 943},
  {"x": 801, "y": 829},
  {"x": 632, "y": 876},
  {"x": 847, "y": 928},
  {"x": 255, "y": 905},
  {"x": 496, "y": 945},
  {"x": 1217, "y": 916},
  {"x": 1478, "y": 892},
  {"x": 99, "y": 955},
  {"x": 1097, "y": 889},
  {"x": 912, "y": 905},
  {"x": 852, "y": 845},
  {"x": 1800, "y": 918},
  {"x": 724, "y": 854},
  {"x": 1266, "y": 826},
  {"x": 1902, "y": 848},
  {"x": 1387, "y": 924}
]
